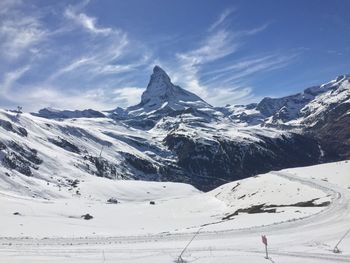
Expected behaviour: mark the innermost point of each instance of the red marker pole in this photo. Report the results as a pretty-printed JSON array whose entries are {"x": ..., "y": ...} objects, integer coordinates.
[{"x": 264, "y": 240}]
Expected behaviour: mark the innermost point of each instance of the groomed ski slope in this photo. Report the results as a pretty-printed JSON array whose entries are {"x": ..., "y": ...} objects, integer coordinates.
[{"x": 135, "y": 231}]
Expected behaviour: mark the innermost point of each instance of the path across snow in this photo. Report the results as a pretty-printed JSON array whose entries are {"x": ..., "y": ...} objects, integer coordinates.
[{"x": 310, "y": 239}]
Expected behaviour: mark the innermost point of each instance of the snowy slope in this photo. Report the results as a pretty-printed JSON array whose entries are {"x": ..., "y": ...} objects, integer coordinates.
[
  {"x": 179, "y": 207},
  {"x": 312, "y": 213},
  {"x": 64, "y": 150}
]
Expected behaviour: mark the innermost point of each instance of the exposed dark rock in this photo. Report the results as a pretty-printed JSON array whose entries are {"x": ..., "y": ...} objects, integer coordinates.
[
  {"x": 112, "y": 200},
  {"x": 73, "y": 183},
  {"x": 21, "y": 158},
  {"x": 212, "y": 163},
  {"x": 255, "y": 209},
  {"x": 234, "y": 188},
  {"x": 6, "y": 125},
  {"x": 23, "y": 131},
  {"x": 140, "y": 164},
  {"x": 28, "y": 153},
  {"x": 310, "y": 203},
  {"x": 103, "y": 168},
  {"x": 83, "y": 134},
  {"x": 87, "y": 217},
  {"x": 263, "y": 208},
  {"x": 333, "y": 131},
  {"x": 64, "y": 144},
  {"x": 16, "y": 162},
  {"x": 2, "y": 146},
  {"x": 12, "y": 128}
]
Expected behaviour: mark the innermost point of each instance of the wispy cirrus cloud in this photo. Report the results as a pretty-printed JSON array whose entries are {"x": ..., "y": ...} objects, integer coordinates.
[
  {"x": 245, "y": 67},
  {"x": 216, "y": 46},
  {"x": 222, "y": 17},
  {"x": 10, "y": 78},
  {"x": 21, "y": 34},
  {"x": 256, "y": 30},
  {"x": 50, "y": 96},
  {"x": 89, "y": 23},
  {"x": 110, "y": 52},
  {"x": 92, "y": 63},
  {"x": 216, "y": 71},
  {"x": 103, "y": 66},
  {"x": 128, "y": 95}
]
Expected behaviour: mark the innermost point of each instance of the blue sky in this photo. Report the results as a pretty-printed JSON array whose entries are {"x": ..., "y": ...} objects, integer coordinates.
[{"x": 100, "y": 54}]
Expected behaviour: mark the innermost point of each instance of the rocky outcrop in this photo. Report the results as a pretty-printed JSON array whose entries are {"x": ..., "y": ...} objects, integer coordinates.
[
  {"x": 212, "y": 163},
  {"x": 20, "y": 158}
]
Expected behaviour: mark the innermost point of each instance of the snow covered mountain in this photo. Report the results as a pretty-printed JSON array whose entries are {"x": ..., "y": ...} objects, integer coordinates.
[
  {"x": 302, "y": 211},
  {"x": 162, "y": 94},
  {"x": 160, "y": 99},
  {"x": 321, "y": 112},
  {"x": 173, "y": 135},
  {"x": 300, "y": 110}
]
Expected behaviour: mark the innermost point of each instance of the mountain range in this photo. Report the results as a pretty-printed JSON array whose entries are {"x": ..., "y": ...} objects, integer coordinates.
[{"x": 174, "y": 135}]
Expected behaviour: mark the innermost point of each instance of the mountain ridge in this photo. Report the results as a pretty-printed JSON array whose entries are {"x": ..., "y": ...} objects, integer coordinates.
[{"x": 186, "y": 140}]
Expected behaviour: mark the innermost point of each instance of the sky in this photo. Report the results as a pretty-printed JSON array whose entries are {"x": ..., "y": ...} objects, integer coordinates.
[{"x": 99, "y": 54}]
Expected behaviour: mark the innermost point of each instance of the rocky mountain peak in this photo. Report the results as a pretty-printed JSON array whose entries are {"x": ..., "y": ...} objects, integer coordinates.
[
  {"x": 161, "y": 93},
  {"x": 159, "y": 86},
  {"x": 158, "y": 71}
]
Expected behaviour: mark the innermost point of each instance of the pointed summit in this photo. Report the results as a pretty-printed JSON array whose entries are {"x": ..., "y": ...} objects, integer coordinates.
[
  {"x": 159, "y": 71},
  {"x": 159, "y": 85},
  {"x": 161, "y": 93}
]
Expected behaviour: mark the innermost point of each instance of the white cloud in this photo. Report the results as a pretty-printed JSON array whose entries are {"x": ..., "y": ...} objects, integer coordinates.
[
  {"x": 221, "y": 18},
  {"x": 238, "y": 95},
  {"x": 20, "y": 34},
  {"x": 49, "y": 96},
  {"x": 256, "y": 30},
  {"x": 98, "y": 99},
  {"x": 217, "y": 45},
  {"x": 128, "y": 95},
  {"x": 107, "y": 58},
  {"x": 96, "y": 64},
  {"x": 204, "y": 72},
  {"x": 246, "y": 67},
  {"x": 87, "y": 22},
  {"x": 10, "y": 79},
  {"x": 81, "y": 68},
  {"x": 100, "y": 55},
  {"x": 277, "y": 63},
  {"x": 73, "y": 65}
]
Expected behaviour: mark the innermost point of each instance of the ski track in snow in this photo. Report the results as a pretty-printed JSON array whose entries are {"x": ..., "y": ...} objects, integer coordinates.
[{"x": 223, "y": 243}]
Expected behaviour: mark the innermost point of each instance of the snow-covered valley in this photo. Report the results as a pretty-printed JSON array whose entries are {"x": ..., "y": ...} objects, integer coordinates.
[{"x": 303, "y": 212}]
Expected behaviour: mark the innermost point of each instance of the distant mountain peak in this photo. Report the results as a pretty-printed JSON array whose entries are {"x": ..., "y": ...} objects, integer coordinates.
[
  {"x": 159, "y": 74},
  {"x": 158, "y": 70},
  {"x": 159, "y": 86},
  {"x": 162, "y": 93}
]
